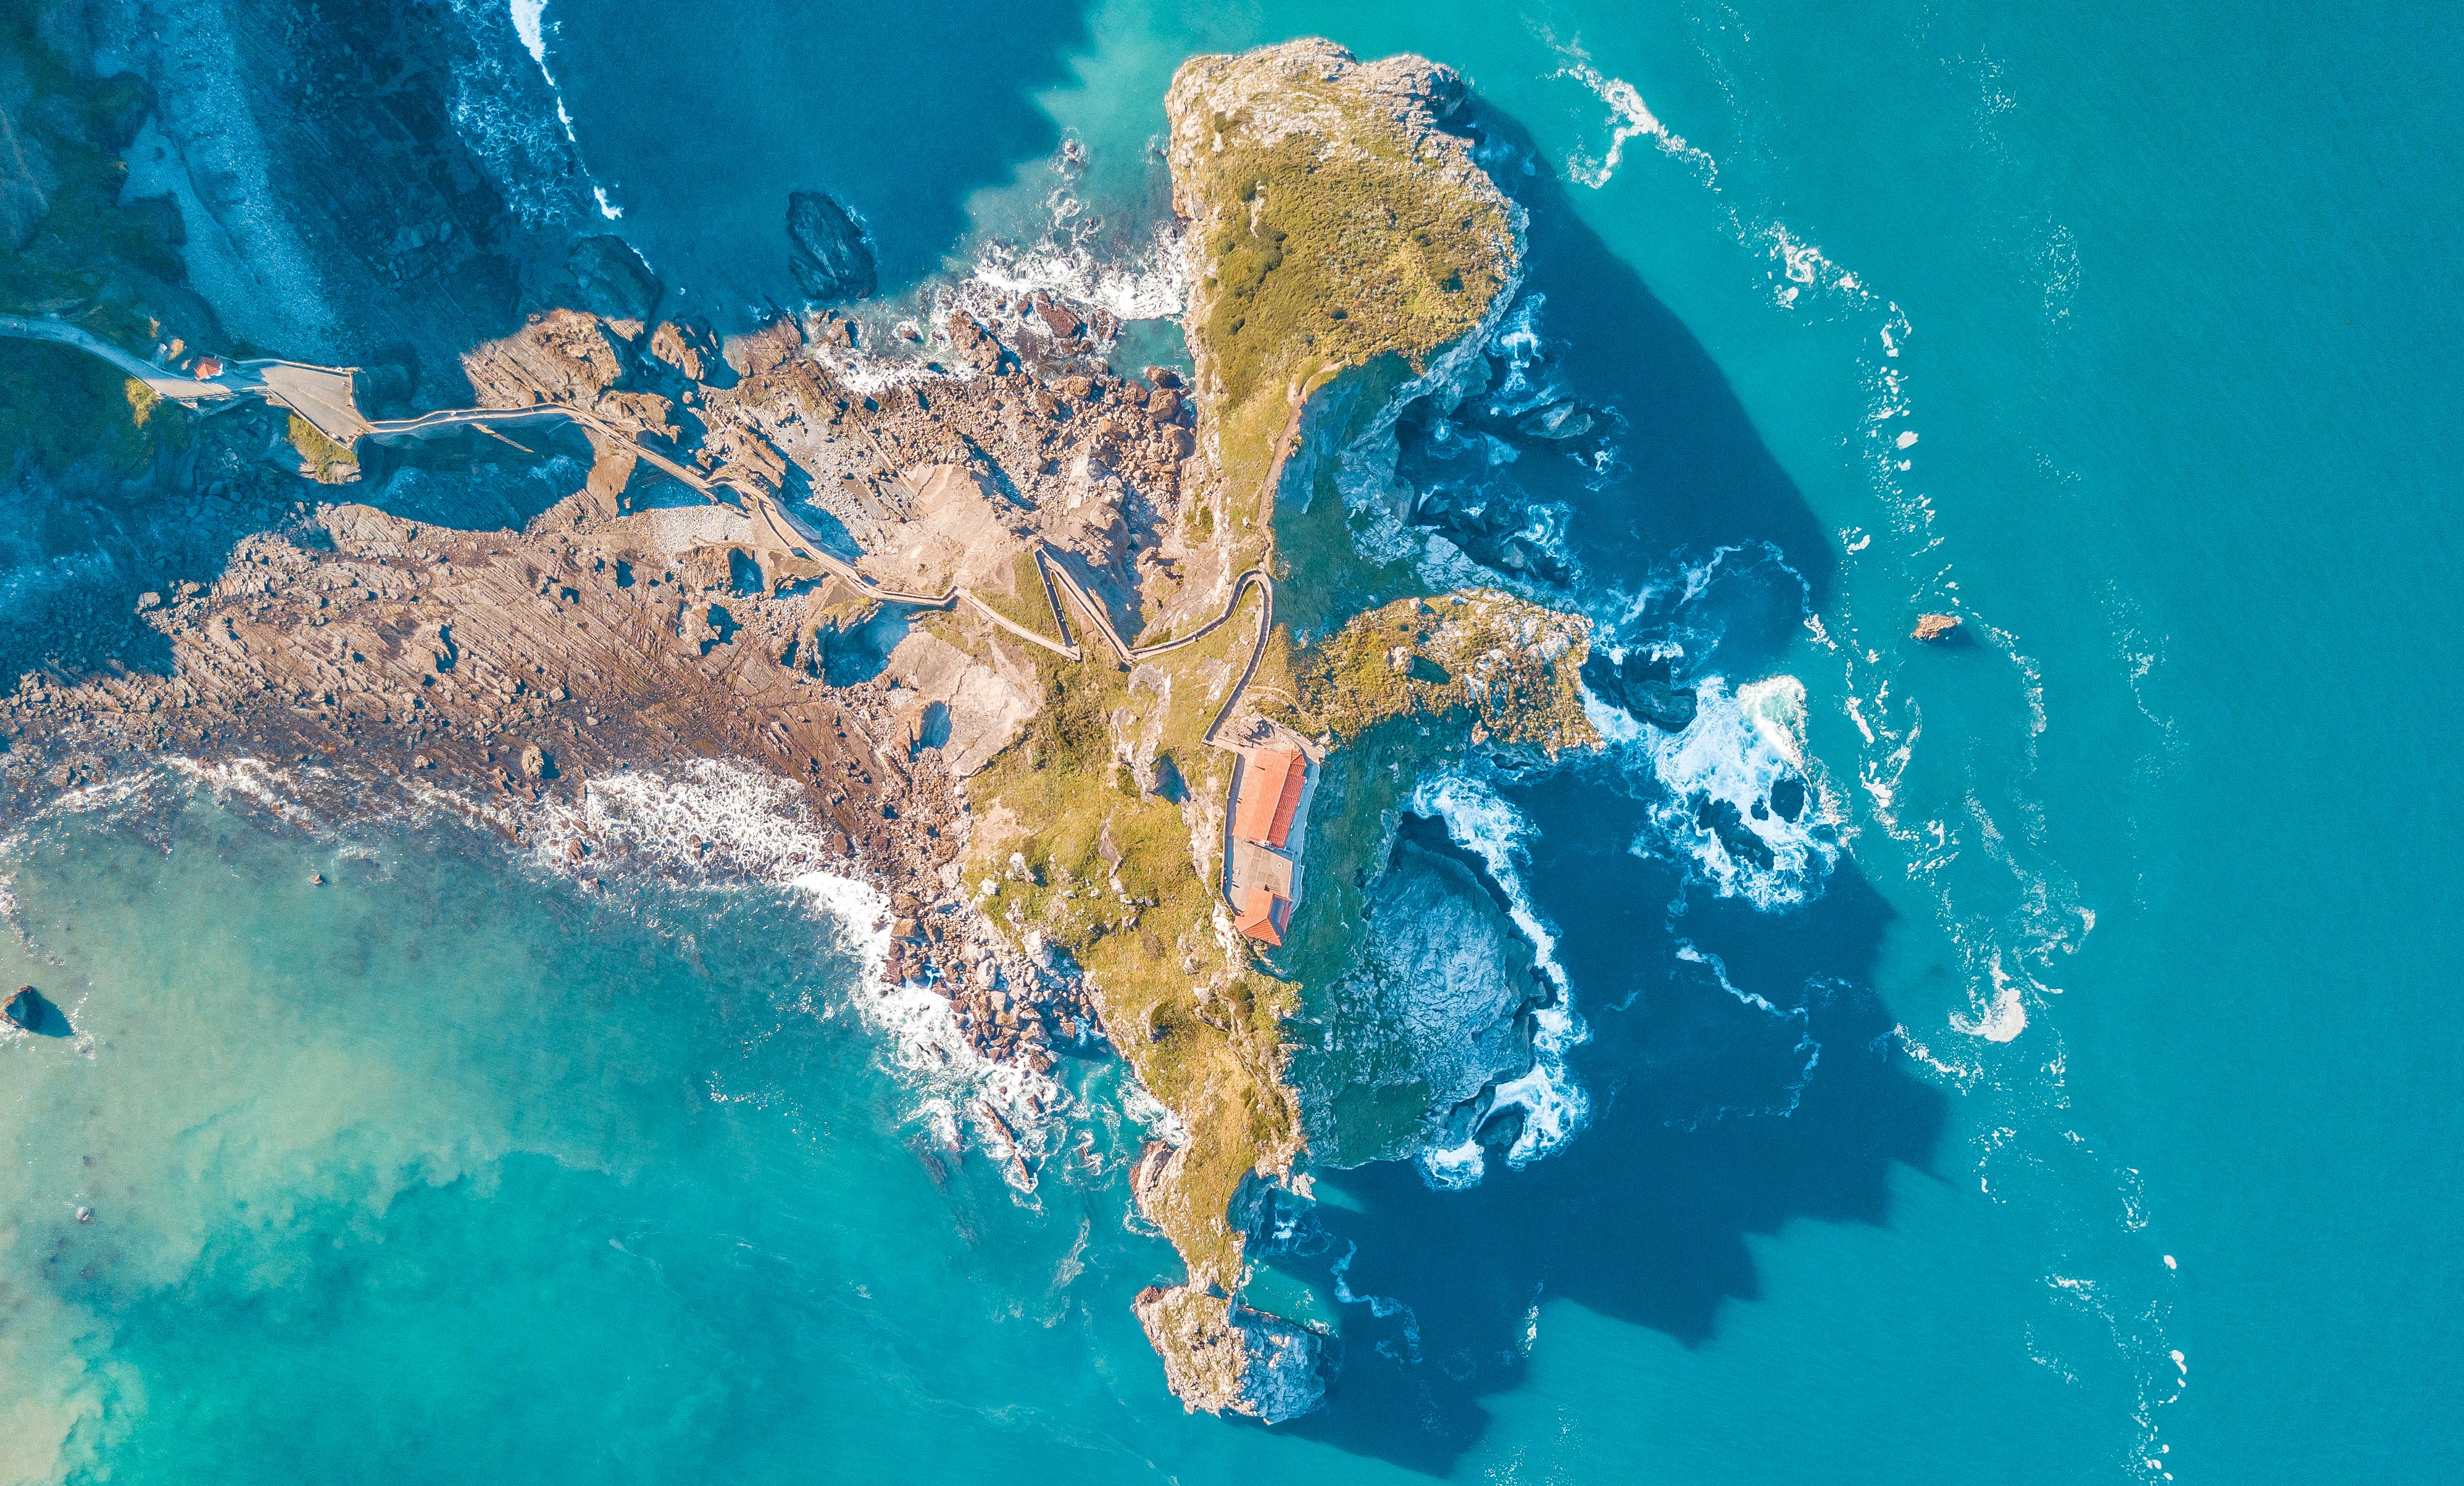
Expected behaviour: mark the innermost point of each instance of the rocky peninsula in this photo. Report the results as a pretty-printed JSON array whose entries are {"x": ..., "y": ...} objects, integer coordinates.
[{"x": 986, "y": 607}]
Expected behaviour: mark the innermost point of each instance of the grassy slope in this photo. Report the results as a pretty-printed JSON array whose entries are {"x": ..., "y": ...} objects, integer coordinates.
[{"x": 1337, "y": 264}]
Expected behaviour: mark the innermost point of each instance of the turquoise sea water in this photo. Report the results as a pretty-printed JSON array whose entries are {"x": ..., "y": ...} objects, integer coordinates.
[{"x": 2093, "y": 1116}]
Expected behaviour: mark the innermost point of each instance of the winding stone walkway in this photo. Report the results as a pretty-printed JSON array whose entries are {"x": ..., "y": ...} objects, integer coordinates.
[{"x": 323, "y": 396}]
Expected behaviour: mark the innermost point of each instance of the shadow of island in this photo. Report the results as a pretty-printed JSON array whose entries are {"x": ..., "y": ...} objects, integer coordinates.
[{"x": 1712, "y": 1117}]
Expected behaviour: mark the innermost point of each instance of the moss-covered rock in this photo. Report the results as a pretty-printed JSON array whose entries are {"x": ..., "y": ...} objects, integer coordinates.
[{"x": 1337, "y": 224}]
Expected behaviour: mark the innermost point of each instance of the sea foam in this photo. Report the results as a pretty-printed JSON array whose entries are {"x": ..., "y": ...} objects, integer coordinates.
[
  {"x": 716, "y": 822},
  {"x": 1733, "y": 757},
  {"x": 1555, "y": 1106}
]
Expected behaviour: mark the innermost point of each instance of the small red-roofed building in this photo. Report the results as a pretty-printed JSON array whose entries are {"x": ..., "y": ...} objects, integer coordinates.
[
  {"x": 1267, "y": 818},
  {"x": 1262, "y": 915}
]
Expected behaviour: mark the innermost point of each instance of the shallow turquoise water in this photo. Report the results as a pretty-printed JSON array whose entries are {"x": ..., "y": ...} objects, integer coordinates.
[{"x": 445, "y": 1167}]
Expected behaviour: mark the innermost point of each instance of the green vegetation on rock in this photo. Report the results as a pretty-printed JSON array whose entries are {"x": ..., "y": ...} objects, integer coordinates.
[
  {"x": 62, "y": 408},
  {"x": 330, "y": 462},
  {"x": 1337, "y": 224},
  {"x": 68, "y": 246},
  {"x": 1346, "y": 242},
  {"x": 1029, "y": 603},
  {"x": 1082, "y": 856}
]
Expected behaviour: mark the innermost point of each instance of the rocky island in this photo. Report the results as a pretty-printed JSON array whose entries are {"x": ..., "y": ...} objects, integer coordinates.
[{"x": 1017, "y": 633}]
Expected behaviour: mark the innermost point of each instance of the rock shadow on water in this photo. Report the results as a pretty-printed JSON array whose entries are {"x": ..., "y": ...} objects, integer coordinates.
[
  {"x": 1712, "y": 1120},
  {"x": 1626, "y": 427},
  {"x": 1741, "y": 1070},
  {"x": 31, "y": 1011},
  {"x": 895, "y": 114}
]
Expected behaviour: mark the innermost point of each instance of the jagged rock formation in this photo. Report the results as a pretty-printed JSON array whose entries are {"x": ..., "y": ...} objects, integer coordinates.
[
  {"x": 509, "y": 612},
  {"x": 1433, "y": 1016},
  {"x": 1221, "y": 1356},
  {"x": 1347, "y": 243}
]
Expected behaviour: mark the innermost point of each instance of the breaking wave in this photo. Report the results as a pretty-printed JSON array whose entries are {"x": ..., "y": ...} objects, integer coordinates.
[
  {"x": 502, "y": 97},
  {"x": 716, "y": 821},
  {"x": 1726, "y": 780},
  {"x": 1555, "y": 1106},
  {"x": 1149, "y": 284}
]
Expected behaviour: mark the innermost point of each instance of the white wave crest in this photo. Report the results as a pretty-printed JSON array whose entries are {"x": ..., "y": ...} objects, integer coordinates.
[
  {"x": 1725, "y": 757},
  {"x": 539, "y": 172},
  {"x": 715, "y": 819},
  {"x": 1555, "y": 1106},
  {"x": 1152, "y": 284},
  {"x": 1628, "y": 120}
]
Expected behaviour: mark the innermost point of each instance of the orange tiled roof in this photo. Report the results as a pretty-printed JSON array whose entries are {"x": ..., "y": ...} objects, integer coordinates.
[
  {"x": 1287, "y": 803},
  {"x": 1270, "y": 773},
  {"x": 1262, "y": 915}
]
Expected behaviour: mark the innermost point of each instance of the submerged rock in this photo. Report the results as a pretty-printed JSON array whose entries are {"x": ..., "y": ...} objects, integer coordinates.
[
  {"x": 1560, "y": 420},
  {"x": 1221, "y": 1356},
  {"x": 827, "y": 250},
  {"x": 611, "y": 281},
  {"x": 1430, "y": 1014},
  {"x": 1644, "y": 686}
]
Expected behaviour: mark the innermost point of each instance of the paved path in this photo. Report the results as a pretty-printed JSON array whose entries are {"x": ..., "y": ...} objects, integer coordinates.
[
  {"x": 177, "y": 386},
  {"x": 323, "y": 396}
]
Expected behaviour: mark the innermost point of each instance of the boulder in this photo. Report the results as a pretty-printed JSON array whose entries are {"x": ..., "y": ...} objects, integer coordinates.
[
  {"x": 827, "y": 254},
  {"x": 1557, "y": 421},
  {"x": 1057, "y": 316},
  {"x": 974, "y": 345},
  {"x": 1643, "y": 687},
  {"x": 1934, "y": 626},
  {"x": 679, "y": 347}
]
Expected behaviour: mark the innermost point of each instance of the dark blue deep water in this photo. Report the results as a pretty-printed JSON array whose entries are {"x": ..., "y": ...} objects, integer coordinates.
[{"x": 2071, "y": 1093}]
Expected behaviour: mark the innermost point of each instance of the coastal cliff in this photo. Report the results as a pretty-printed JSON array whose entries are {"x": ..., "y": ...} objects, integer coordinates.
[
  {"x": 987, "y": 618},
  {"x": 1345, "y": 245}
]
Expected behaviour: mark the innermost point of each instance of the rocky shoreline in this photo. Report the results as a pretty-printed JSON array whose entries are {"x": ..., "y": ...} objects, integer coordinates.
[{"x": 513, "y": 614}]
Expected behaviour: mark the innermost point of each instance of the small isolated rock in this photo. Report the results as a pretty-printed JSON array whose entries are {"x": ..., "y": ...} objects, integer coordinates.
[
  {"x": 828, "y": 254},
  {"x": 1933, "y": 627},
  {"x": 316, "y": 879}
]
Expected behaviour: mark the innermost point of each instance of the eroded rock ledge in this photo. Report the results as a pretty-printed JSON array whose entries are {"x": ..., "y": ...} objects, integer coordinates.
[{"x": 506, "y": 615}]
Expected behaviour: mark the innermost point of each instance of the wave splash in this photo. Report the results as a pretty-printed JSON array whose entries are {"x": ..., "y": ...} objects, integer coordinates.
[
  {"x": 1737, "y": 805},
  {"x": 1553, "y": 1106},
  {"x": 720, "y": 822},
  {"x": 499, "y": 108}
]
